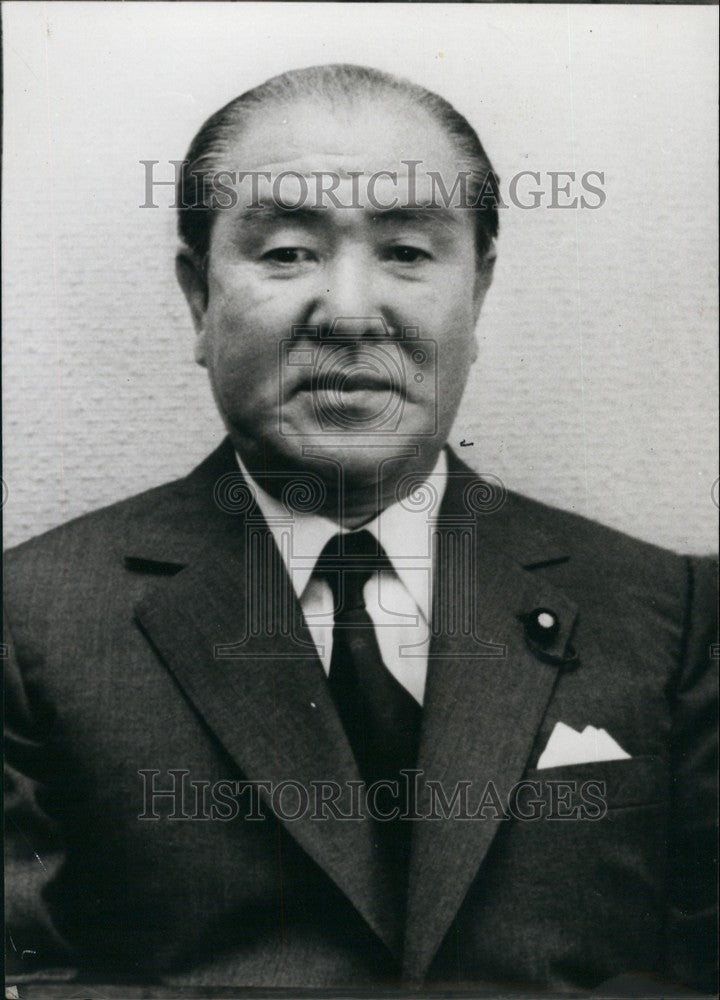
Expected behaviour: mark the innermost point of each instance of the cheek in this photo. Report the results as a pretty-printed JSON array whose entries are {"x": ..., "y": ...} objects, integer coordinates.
[
  {"x": 456, "y": 344},
  {"x": 455, "y": 330},
  {"x": 246, "y": 321},
  {"x": 449, "y": 300}
]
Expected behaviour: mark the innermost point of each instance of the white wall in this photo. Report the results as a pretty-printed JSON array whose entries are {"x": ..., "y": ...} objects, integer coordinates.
[{"x": 596, "y": 386}]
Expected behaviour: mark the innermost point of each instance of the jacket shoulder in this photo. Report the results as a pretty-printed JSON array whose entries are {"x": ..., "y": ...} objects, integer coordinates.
[
  {"x": 601, "y": 548},
  {"x": 105, "y": 523},
  {"x": 177, "y": 504}
]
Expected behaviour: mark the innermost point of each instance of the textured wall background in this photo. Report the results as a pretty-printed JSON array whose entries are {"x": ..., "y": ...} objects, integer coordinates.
[{"x": 596, "y": 386}]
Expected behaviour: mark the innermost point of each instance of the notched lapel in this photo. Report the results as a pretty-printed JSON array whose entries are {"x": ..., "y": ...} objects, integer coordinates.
[
  {"x": 486, "y": 695},
  {"x": 230, "y": 629}
]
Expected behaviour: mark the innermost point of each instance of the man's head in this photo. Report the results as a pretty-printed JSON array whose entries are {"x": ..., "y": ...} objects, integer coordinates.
[{"x": 361, "y": 221}]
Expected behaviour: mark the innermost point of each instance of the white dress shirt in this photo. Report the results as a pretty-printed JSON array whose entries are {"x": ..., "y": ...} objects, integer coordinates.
[{"x": 399, "y": 601}]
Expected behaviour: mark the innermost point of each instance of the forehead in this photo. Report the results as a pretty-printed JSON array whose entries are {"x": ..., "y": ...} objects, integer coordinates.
[{"x": 356, "y": 135}]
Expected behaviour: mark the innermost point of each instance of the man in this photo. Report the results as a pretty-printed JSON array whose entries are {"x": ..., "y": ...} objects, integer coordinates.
[{"x": 472, "y": 736}]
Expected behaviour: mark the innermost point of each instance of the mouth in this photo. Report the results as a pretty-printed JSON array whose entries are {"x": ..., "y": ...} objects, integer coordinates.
[
  {"x": 339, "y": 374},
  {"x": 344, "y": 381},
  {"x": 360, "y": 382},
  {"x": 357, "y": 395}
]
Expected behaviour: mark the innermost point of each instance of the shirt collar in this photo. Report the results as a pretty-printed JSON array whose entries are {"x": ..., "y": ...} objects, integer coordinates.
[{"x": 402, "y": 529}]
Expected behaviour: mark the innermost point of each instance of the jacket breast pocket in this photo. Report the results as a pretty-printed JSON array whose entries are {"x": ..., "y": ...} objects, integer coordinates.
[{"x": 611, "y": 784}]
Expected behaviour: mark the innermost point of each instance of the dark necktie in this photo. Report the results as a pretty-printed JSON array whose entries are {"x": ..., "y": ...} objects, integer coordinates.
[{"x": 381, "y": 719}]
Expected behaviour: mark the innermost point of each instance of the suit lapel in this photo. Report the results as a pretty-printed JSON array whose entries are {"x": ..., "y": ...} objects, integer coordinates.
[
  {"x": 229, "y": 627},
  {"x": 486, "y": 694}
]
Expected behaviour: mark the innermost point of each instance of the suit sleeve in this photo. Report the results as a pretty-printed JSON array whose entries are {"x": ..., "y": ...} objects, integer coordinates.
[
  {"x": 33, "y": 842},
  {"x": 691, "y": 945}
]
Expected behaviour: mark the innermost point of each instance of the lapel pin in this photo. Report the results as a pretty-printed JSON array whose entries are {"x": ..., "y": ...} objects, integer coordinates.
[
  {"x": 542, "y": 629},
  {"x": 541, "y": 625}
]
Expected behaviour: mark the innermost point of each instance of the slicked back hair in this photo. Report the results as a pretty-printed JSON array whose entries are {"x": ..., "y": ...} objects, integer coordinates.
[{"x": 335, "y": 84}]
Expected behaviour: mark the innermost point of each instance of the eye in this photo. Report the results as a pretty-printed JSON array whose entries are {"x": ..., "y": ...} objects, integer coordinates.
[
  {"x": 289, "y": 255},
  {"x": 401, "y": 253}
]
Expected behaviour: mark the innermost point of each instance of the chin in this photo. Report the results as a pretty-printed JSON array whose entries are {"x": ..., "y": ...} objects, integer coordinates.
[
  {"x": 360, "y": 460},
  {"x": 387, "y": 459},
  {"x": 359, "y": 463}
]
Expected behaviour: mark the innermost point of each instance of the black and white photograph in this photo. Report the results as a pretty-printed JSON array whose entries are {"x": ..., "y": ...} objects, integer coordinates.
[{"x": 360, "y": 500}]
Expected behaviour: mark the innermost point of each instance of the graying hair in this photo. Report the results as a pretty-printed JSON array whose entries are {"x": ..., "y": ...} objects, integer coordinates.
[{"x": 333, "y": 84}]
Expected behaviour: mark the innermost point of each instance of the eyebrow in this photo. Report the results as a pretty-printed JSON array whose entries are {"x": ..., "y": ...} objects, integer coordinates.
[
  {"x": 270, "y": 212},
  {"x": 418, "y": 214},
  {"x": 275, "y": 212}
]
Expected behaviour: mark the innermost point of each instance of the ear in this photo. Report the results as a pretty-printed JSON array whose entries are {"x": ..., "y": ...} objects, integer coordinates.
[
  {"x": 483, "y": 279},
  {"x": 191, "y": 277}
]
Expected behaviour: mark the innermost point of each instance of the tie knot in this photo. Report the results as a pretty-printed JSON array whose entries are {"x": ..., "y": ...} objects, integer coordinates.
[{"x": 347, "y": 562}]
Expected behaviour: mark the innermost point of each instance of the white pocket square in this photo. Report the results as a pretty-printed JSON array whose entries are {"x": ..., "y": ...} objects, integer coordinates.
[{"x": 567, "y": 746}]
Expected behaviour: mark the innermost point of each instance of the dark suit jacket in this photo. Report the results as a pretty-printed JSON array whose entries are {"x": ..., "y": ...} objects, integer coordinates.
[{"x": 145, "y": 636}]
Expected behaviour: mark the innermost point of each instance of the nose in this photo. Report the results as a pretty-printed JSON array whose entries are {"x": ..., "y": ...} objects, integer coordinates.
[{"x": 346, "y": 303}]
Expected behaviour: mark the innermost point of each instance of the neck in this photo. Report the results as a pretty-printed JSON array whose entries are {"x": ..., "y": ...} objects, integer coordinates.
[{"x": 349, "y": 496}]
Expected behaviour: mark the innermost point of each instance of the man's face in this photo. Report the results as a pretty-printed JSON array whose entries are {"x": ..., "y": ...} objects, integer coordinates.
[{"x": 303, "y": 321}]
